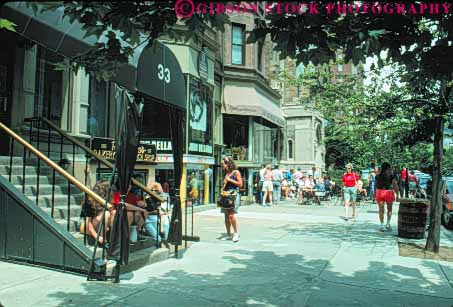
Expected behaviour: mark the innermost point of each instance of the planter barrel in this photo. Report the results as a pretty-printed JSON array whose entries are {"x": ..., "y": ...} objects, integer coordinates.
[{"x": 412, "y": 217}]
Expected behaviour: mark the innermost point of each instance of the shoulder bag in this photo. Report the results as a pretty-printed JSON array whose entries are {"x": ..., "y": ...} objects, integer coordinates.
[{"x": 227, "y": 198}]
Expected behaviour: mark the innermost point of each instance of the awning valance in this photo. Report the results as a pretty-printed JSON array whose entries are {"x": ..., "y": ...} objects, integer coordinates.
[
  {"x": 54, "y": 31},
  {"x": 246, "y": 99}
]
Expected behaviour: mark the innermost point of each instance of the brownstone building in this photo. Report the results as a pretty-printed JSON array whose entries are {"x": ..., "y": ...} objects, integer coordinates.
[{"x": 252, "y": 118}]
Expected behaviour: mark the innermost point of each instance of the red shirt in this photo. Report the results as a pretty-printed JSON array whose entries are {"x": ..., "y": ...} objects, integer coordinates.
[
  {"x": 350, "y": 179},
  {"x": 131, "y": 198},
  {"x": 413, "y": 178},
  {"x": 166, "y": 187},
  {"x": 403, "y": 174}
]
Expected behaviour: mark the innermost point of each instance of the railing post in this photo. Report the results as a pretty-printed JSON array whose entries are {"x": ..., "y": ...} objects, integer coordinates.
[
  {"x": 38, "y": 171},
  {"x": 48, "y": 141},
  {"x": 11, "y": 151},
  {"x": 85, "y": 200},
  {"x": 69, "y": 204},
  {"x": 185, "y": 222},
  {"x": 192, "y": 222},
  {"x": 73, "y": 159},
  {"x": 53, "y": 195},
  {"x": 158, "y": 229},
  {"x": 24, "y": 165}
]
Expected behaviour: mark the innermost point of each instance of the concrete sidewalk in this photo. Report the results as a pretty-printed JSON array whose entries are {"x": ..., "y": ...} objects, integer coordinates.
[{"x": 288, "y": 255}]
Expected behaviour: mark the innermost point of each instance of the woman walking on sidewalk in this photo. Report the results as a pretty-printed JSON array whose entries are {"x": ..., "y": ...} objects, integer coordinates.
[
  {"x": 268, "y": 186},
  {"x": 232, "y": 181},
  {"x": 386, "y": 188},
  {"x": 349, "y": 190}
]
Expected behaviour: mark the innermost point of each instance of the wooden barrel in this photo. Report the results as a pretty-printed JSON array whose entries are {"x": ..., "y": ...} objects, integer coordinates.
[{"x": 412, "y": 218}]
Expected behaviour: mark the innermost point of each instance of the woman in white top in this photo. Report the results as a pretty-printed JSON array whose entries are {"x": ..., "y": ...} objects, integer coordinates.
[{"x": 268, "y": 186}]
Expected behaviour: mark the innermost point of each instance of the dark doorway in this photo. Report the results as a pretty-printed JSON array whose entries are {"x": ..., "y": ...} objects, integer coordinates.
[
  {"x": 49, "y": 86},
  {"x": 6, "y": 86}
]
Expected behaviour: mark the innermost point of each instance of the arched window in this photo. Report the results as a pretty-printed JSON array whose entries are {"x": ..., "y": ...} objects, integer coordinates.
[
  {"x": 290, "y": 149},
  {"x": 318, "y": 134}
]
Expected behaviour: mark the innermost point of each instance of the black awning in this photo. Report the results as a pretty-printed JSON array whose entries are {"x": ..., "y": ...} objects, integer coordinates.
[
  {"x": 159, "y": 75},
  {"x": 53, "y": 30}
]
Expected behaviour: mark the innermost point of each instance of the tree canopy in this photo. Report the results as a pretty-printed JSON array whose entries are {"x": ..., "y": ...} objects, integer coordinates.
[
  {"x": 125, "y": 26},
  {"x": 420, "y": 44}
]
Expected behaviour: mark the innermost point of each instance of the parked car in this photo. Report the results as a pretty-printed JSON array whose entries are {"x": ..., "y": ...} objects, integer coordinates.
[{"x": 447, "y": 200}]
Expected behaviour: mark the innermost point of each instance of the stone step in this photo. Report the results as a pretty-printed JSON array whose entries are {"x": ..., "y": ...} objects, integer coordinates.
[
  {"x": 6, "y": 160},
  {"x": 46, "y": 189},
  {"x": 33, "y": 179},
  {"x": 74, "y": 224},
  {"x": 59, "y": 200},
  {"x": 61, "y": 212},
  {"x": 145, "y": 257},
  {"x": 29, "y": 170}
]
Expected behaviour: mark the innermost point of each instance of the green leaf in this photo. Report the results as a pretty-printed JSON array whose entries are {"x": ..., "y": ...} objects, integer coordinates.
[
  {"x": 376, "y": 33},
  {"x": 8, "y": 25}
]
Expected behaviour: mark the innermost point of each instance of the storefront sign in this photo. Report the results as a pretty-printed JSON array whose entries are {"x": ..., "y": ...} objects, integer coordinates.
[
  {"x": 200, "y": 119},
  {"x": 196, "y": 147},
  {"x": 203, "y": 65},
  {"x": 106, "y": 149},
  {"x": 198, "y": 160},
  {"x": 159, "y": 75},
  {"x": 162, "y": 145}
]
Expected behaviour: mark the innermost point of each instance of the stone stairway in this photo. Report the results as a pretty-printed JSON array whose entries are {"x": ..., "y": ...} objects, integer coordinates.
[{"x": 68, "y": 196}]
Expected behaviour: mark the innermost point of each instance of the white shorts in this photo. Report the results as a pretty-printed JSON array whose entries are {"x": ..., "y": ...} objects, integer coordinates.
[{"x": 268, "y": 186}]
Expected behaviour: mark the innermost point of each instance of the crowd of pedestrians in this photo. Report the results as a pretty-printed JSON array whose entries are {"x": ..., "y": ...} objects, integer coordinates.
[{"x": 272, "y": 185}]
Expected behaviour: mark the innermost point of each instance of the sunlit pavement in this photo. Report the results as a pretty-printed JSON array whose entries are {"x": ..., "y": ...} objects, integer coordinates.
[{"x": 288, "y": 255}]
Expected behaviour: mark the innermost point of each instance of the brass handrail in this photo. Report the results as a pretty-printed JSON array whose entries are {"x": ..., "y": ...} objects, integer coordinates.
[
  {"x": 53, "y": 165},
  {"x": 101, "y": 159}
]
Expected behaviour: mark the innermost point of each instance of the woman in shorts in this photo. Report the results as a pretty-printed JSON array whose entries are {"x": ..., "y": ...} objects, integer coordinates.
[
  {"x": 91, "y": 214},
  {"x": 386, "y": 189},
  {"x": 232, "y": 181},
  {"x": 268, "y": 186}
]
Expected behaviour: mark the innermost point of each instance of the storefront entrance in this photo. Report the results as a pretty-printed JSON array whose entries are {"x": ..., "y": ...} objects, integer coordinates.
[{"x": 6, "y": 86}]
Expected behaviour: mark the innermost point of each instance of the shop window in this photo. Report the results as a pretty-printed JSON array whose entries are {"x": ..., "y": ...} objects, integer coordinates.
[
  {"x": 196, "y": 184},
  {"x": 263, "y": 142},
  {"x": 98, "y": 111},
  {"x": 49, "y": 86},
  {"x": 237, "y": 45},
  {"x": 236, "y": 134}
]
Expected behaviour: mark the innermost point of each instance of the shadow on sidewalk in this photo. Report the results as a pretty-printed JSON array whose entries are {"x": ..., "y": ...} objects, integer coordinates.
[{"x": 262, "y": 278}]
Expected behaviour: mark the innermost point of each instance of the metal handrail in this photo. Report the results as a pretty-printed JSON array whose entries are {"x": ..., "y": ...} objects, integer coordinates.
[
  {"x": 95, "y": 155},
  {"x": 54, "y": 166}
]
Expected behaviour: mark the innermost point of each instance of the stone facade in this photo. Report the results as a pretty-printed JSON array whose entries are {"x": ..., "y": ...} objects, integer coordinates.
[{"x": 303, "y": 144}]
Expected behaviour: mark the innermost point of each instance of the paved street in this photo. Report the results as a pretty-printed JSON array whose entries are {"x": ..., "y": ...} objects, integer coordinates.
[{"x": 287, "y": 256}]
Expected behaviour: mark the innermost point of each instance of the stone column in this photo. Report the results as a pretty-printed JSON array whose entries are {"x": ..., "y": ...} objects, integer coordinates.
[
  {"x": 80, "y": 102},
  {"x": 206, "y": 184}
]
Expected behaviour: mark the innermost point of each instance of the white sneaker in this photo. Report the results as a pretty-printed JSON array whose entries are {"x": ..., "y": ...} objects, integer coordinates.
[
  {"x": 236, "y": 237},
  {"x": 381, "y": 229},
  {"x": 388, "y": 227},
  {"x": 225, "y": 237}
]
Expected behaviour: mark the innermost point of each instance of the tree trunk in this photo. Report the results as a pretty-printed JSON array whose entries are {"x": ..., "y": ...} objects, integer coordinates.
[{"x": 433, "y": 241}]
